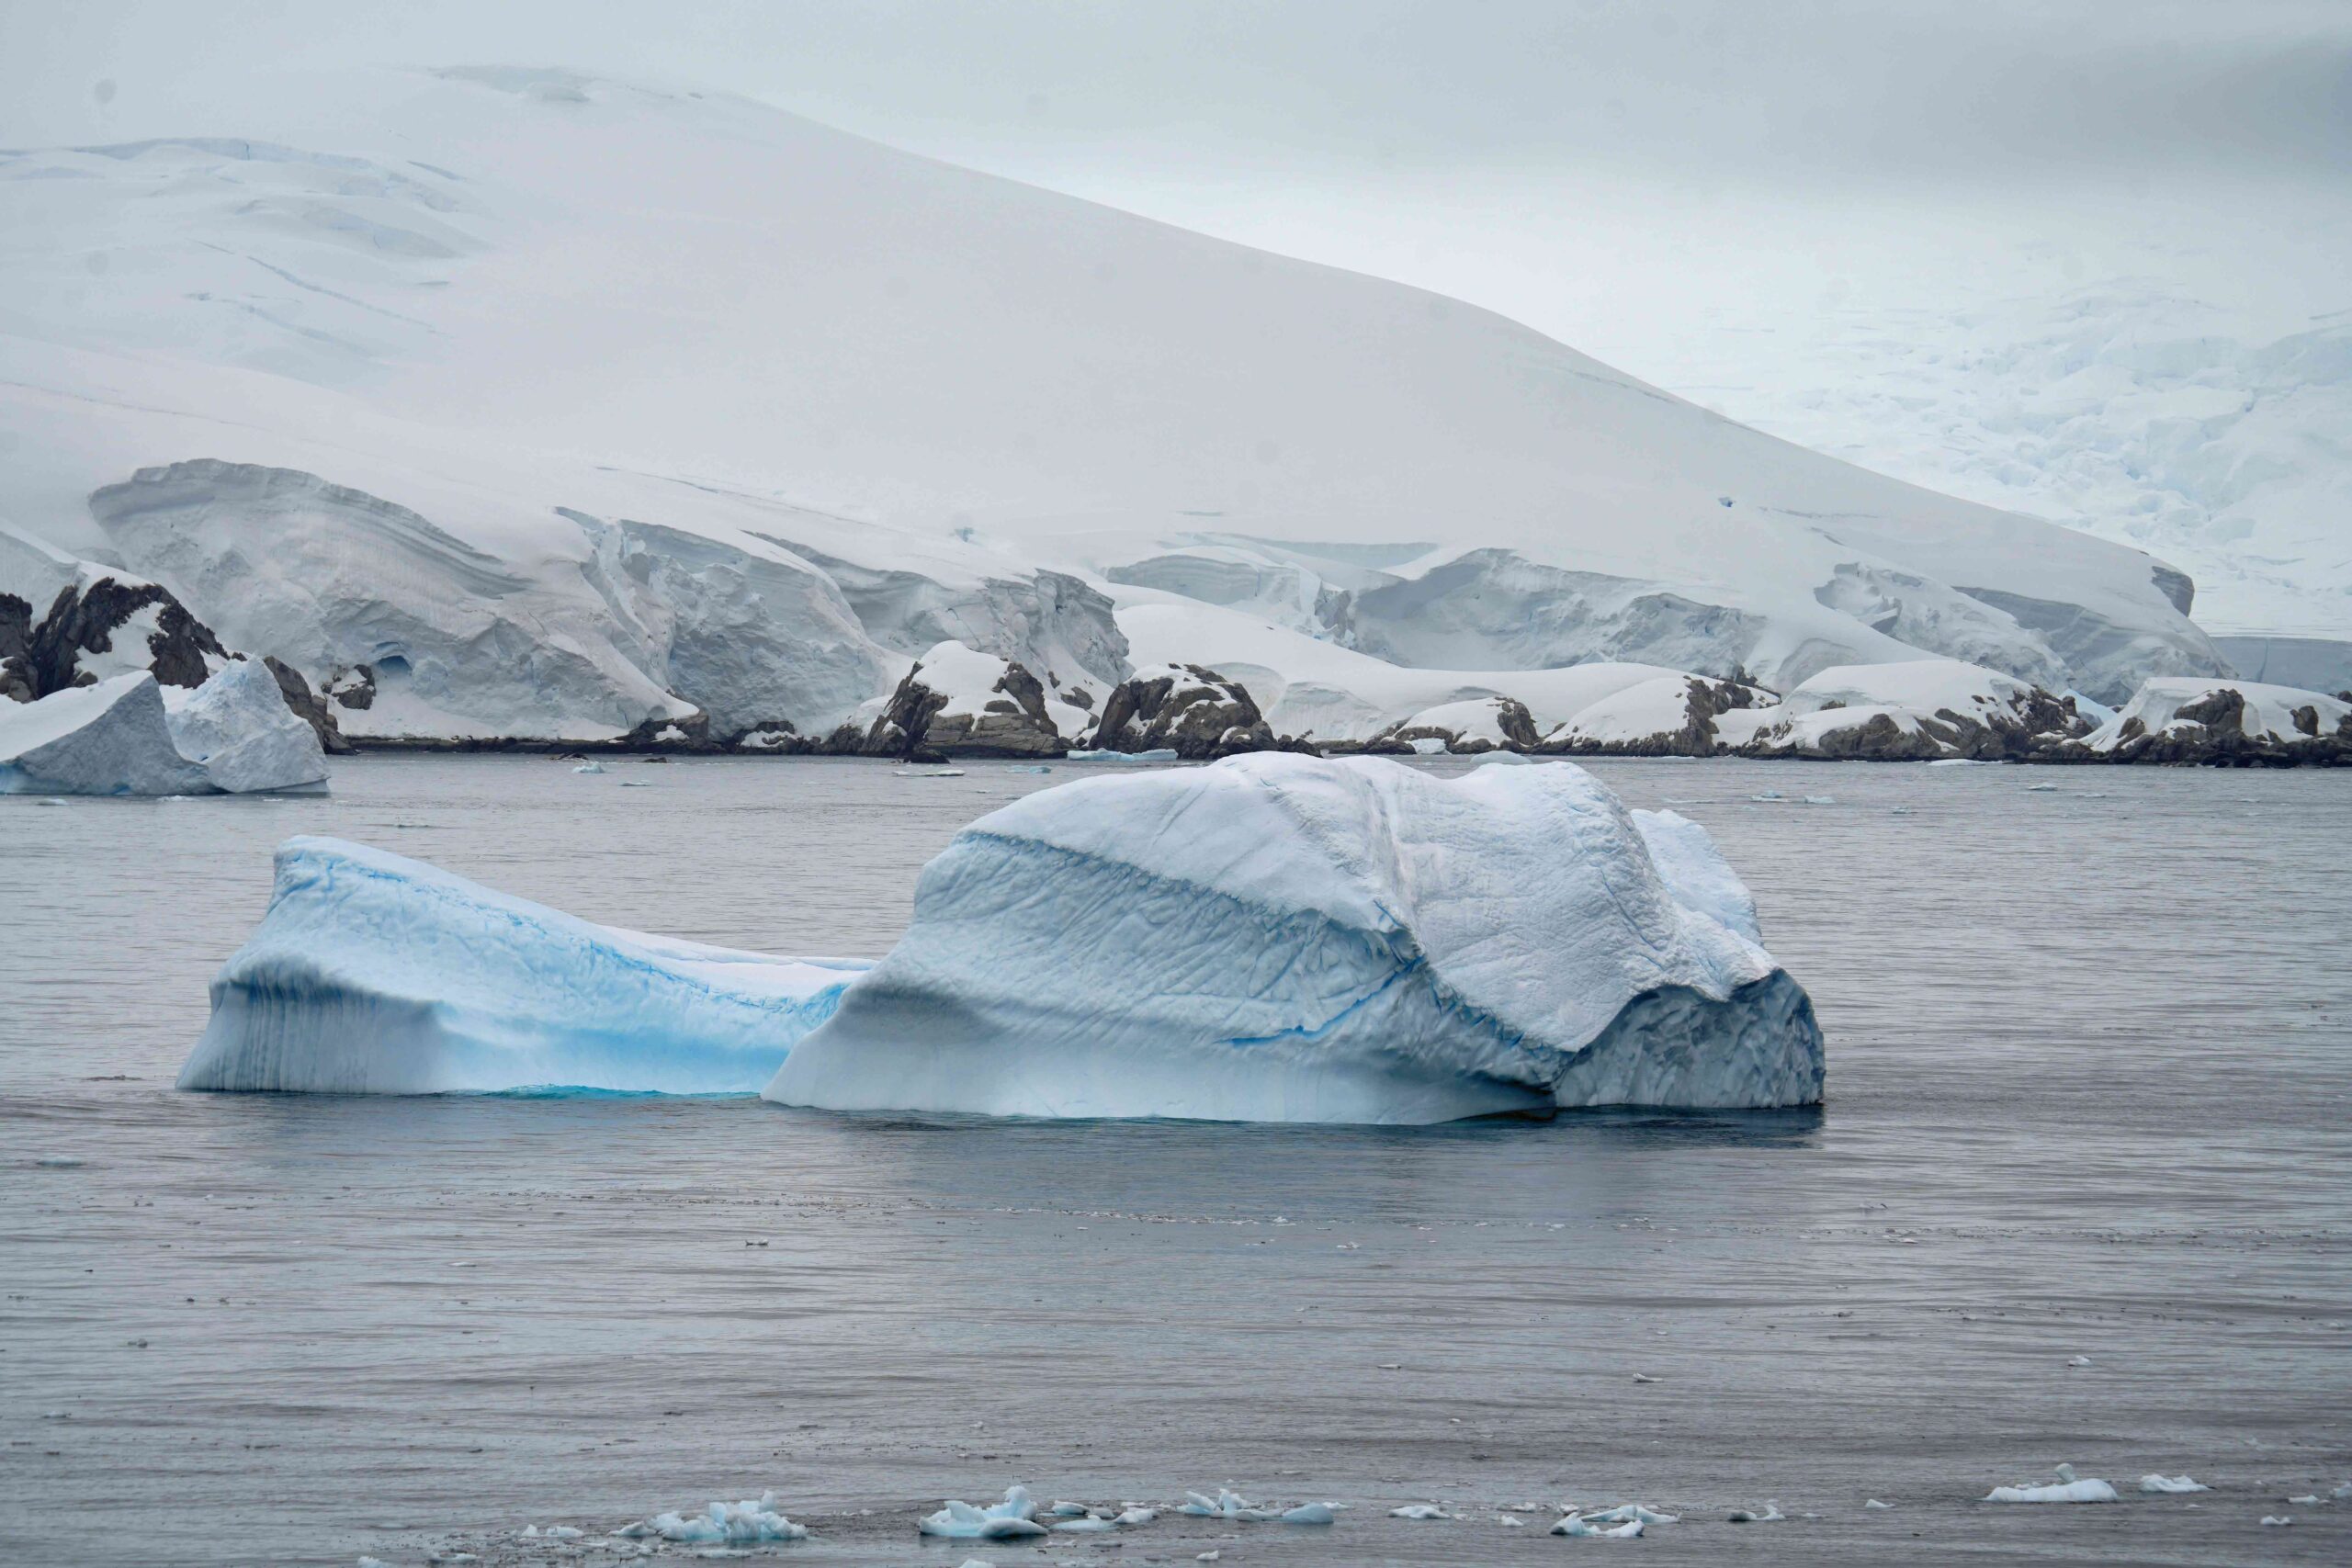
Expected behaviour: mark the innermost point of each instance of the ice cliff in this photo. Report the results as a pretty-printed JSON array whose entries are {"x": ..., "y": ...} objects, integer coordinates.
[
  {"x": 374, "y": 973},
  {"x": 1282, "y": 938}
]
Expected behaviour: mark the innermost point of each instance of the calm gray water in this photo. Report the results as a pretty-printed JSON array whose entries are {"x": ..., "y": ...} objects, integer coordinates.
[{"x": 2088, "y": 1096}]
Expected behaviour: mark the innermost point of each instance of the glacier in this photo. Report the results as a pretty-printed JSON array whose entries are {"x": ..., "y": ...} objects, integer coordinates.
[
  {"x": 1285, "y": 938},
  {"x": 407, "y": 398},
  {"x": 374, "y": 974}
]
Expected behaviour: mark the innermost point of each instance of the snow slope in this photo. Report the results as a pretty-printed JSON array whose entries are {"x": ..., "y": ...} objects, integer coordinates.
[
  {"x": 374, "y": 973},
  {"x": 1283, "y": 938},
  {"x": 519, "y": 402}
]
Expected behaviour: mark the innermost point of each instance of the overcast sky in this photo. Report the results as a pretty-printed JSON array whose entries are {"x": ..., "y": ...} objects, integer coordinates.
[{"x": 1602, "y": 170}]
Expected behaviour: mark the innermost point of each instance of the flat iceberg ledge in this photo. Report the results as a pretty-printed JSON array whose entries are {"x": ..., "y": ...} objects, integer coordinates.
[
  {"x": 374, "y": 973},
  {"x": 1277, "y": 937}
]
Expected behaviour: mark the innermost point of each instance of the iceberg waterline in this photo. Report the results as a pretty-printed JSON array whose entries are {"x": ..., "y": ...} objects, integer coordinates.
[{"x": 1271, "y": 938}]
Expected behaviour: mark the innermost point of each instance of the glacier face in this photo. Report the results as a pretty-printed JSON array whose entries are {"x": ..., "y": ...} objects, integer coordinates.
[
  {"x": 374, "y": 973},
  {"x": 409, "y": 398},
  {"x": 1282, "y": 938}
]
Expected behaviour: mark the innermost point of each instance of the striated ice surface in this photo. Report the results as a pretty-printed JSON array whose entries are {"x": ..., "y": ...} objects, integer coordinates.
[
  {"x": 374, "y": 973},
  {"x": 113, "y": 737},
  {"x": 1285, "y": 938}
]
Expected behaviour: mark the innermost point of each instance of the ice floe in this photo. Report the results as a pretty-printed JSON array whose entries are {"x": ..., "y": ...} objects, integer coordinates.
[
  {"x": 730, "y": 1524},
  {"x": 2065, "y": 1489},
  {"x": 2171, "y": 1484}
]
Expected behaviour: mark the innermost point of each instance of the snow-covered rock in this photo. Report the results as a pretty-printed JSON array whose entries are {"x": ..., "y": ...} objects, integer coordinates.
[
  {"x": 411, "y": 386},
  {"x": 1668, "y": 715},
  {"x": 1915, "y": 710},
  {"x": 1194, "y": 712},
  {"x": 1470, "y": 725},
  {"x": 2200, "y": 720},
  {"x": 66, "y": 622},
  {"x": 113, "y": 737},
  {"x": 374, "y": 973},
  {"x": 1282, "y": 938},
  {"x": 958, "y": 701},
  {"x": 238, "y": 728}
]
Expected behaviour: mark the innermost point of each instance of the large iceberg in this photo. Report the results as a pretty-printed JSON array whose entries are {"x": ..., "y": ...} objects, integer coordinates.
[
  {"x": 238, "y": 729},
  {"x": 1285, "y": 938},
  {"x": 374, "y": 973}
]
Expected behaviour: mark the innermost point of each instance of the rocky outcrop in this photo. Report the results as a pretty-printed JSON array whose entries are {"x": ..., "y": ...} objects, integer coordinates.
[
  {"x": 1197, "y": 713},
  {"x": 1467, "y": 726},
  {"x": 957, "y": 702},
  {"x": 99, "y": 627},
  {"x": 306, "y": 706},
  {"x": 2212, "y": 724},
  {"x": 1673, "y": 716}
]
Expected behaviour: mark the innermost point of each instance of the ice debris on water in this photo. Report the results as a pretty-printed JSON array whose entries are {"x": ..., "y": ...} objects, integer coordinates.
[
  {"x": 2078, "y": 1360},
  {"x": 1009, "y": 1520},
  {"x": 2171, "y": 1484},
  {"x": 1062, "y": 1510},
  {"x": 1136, "y": 1516},
  {"x": 1226, "y": 1505},
  {"x": 1875, "y": 1503},
  {"x": 1310, "y": 1514},
  {"x": 589, "y": 768},
  {"x": 753, "y": 1520},
  {"x": 2277, "y": 1519},
  {"x": 1770, "y": 1515},
  {"x": 1577, "y": 1524},
  {"x": 1637, "y": 1512},
  {"x": 2310, "y": 1501},
  {"x": 1420, "y": 1511},
  {"x": 2066, "y": 1490}
]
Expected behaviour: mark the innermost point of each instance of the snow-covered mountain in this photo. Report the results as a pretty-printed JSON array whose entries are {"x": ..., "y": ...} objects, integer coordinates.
[{"x": 506, "y": 401}]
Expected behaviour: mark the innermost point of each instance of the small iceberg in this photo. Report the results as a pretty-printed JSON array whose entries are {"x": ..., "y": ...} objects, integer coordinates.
[
  {"x": 1577, "y": 1524},
  {"x": 727, "y": 1524},
  {"x": 1310, "y": 1514},
  {"x": 2067, "y": 1489},
  {"x": 129, "y": 736},
  {"x": 1634, "y": 1512},
  {"x": 927, "y": 773},
  {"x": 1770, "y": 1515},
  {"x": 1158, "y": 754},
  {"x": 589, "y": 767},
  {"x": 1226, "y": 1505},
  {"x": 1012, "y": 1519},
  {"x": 1420, "y": 1511}
]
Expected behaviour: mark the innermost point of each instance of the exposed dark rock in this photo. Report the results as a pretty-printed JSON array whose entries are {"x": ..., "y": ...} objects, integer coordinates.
[
  {"x": 691, "y": 733},
  {"x": 39, "y": 659},
  {"x": 1011, "y": 722},
  {"x": 307, "y": 708},
  {"x": 1512, "y": 719},
  {"x": 1195, "y": 712},
  {"x": 1703, "y": 700},
  {"x": 354, "y": 688}
]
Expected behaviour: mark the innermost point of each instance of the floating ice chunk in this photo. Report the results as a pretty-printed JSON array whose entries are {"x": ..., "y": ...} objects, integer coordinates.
[
  {"x": 2066, "y": 1490},
  {"x": 927, "y": 772},
  {"x": 238, "y": 729},
  {"x": 2309, "y": 1500},
  {"x": 589, "y": 767},
  {"x": 1009, "y": 1520},
  {"x": 1624, "y": 1511},
  {"x": 2078, "y": 1360},
  {"x": 1062, "y": 1510},
  {"x": 1314, "y": 1514},
  {"x": 1085, "y": 1525},
  {"x": 376, "y": 973},
  {"x": 1226, "y": 1505},
  {"x": 1875, "y": 1503},
  {"x": 1283, "y": 938},
  {"x": 567, "y": 1532},
  {"x": 2171, "y": 1484},
  {"x": 2277, "y": 1519},
  {"x": 1420, "y": 1511},
  {"x": 1770, "y": 1515},
  {"x": 1132, "y": 1516},
  {"x": 113, "y": 737},
  {"x": 732, "y": 1523},
  {"x": 1158, "y": 754},
  {"x": 1577, "y": 1524}
]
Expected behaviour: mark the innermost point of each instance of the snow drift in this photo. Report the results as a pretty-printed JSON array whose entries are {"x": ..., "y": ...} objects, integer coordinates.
[
  {"x": 1282, "y": 938},
  {"x": 373, "y": 974}
]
